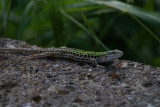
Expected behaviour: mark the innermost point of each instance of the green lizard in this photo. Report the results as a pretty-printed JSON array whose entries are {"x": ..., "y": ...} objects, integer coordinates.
[{"x": 94, "y": 58}]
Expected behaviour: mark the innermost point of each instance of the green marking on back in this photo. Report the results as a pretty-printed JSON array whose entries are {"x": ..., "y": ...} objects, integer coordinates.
[{"x": 88, "y": 52}]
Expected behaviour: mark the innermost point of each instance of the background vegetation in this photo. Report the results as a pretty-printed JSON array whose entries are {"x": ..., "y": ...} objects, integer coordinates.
[{"x": 128, "y": 25}]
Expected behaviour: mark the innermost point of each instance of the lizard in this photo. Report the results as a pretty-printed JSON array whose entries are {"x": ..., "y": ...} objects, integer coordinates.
[{"x": 94, "y": 58}]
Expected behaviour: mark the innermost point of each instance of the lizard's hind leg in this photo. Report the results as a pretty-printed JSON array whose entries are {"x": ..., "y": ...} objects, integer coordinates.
[{"x": 41, "y": 55}]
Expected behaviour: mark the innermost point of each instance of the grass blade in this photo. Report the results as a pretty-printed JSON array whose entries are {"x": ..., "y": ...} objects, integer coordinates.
[
  {"x": 149, "y": 17},
  {"x": 86, "y": 30},
  {"x": 24, "y": 21}
]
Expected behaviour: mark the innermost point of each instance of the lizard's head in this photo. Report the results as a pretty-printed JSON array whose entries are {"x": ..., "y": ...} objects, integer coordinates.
[{"x": 111, "y": 55}]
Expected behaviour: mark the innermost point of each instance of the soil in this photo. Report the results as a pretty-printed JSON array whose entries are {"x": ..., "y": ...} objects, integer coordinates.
[{"x": 51, "y": 82}]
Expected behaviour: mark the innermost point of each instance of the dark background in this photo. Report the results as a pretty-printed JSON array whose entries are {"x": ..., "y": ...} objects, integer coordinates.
[{"x": 132, "y": 26}]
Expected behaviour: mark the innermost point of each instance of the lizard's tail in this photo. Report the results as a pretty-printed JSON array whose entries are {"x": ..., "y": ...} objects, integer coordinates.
[{"x": 19, "y": 50}]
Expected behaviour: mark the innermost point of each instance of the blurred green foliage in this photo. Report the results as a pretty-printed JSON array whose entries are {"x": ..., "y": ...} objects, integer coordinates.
[{"x": 128, "y": 25}]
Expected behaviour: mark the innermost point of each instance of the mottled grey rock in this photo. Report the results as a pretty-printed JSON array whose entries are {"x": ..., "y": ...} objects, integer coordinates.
[{"x": 60, "y": 83}]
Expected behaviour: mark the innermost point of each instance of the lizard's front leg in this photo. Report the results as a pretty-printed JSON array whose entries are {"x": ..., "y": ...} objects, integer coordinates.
[{"x": 93, "y": 62}]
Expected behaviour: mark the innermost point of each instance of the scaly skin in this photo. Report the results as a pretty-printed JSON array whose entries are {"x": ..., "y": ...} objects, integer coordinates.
[{"x": 94, "y": 58}]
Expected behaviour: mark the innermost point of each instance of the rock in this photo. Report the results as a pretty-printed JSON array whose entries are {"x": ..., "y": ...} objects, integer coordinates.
[{"x": 53, "y": 82}]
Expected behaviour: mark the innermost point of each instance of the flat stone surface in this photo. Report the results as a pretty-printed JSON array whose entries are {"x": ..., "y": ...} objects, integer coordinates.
[{"x": 61, "y": 83}]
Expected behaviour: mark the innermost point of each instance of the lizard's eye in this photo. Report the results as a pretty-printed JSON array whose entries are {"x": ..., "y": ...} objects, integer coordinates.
[
  {"x": 109, "y": 53},
  {"x": 113, "y": 52}
]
